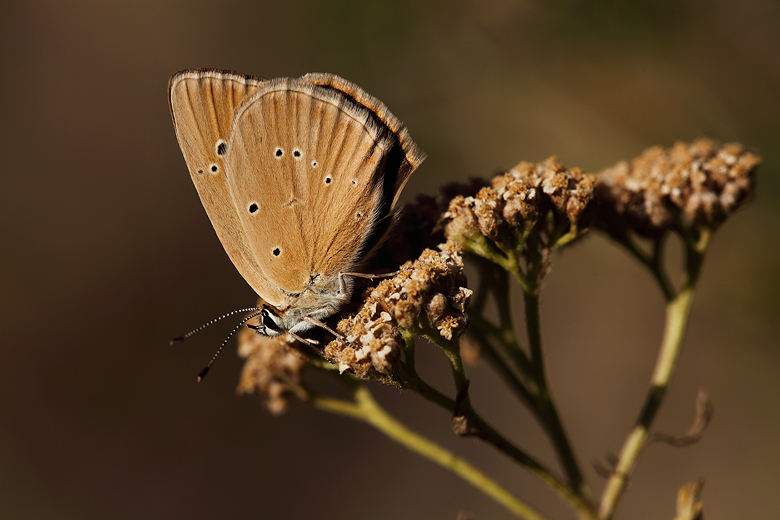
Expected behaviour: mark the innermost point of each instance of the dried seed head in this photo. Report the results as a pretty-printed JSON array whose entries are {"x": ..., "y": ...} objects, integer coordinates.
[
  {"x": 374, "y": 343},
  {"x": 544, "y": 194},
  {"x": 271, "y": 370},
  {"x": 434, "y": 287},
  {"x": 566, "y": 193},
  {"x": 428, "y": 292},
  {"x": 701, "y": 182}
]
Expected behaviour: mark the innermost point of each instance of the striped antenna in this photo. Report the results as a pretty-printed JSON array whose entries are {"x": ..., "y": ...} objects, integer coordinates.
[
  {"x": 205, "y": 371},
  {"x": 231, "y": 313}
]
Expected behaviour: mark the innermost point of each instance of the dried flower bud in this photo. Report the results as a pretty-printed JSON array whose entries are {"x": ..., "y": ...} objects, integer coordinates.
[
  {"x": 701, "y": 182},
  {"x": 272, "y": 370},
  {"x": 434, "y": 287},
  {"x": 431, "y": 288},
  {"x": 544, "y": 194}
]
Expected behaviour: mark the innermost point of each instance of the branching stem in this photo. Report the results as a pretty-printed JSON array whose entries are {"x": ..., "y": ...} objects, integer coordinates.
[
  {"x": 677, "y": 313},
  {"x": 365, "y": 408}
]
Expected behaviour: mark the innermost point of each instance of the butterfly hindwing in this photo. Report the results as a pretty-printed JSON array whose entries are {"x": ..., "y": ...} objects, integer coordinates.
[{"x": 310, "y": 183}]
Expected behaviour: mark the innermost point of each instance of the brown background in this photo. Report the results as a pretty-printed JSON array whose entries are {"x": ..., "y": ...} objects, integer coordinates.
[{"x": 107, "y": 253}]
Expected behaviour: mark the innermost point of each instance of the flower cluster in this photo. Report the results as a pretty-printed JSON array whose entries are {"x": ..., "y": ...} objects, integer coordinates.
[
  {"x": 515, "y": 218},
  {"x": 431, "y": 289},
  {"x": 545, "y": 196},
  {"x": 272, "y": 369},
  {"x": 700, "y": 182}
]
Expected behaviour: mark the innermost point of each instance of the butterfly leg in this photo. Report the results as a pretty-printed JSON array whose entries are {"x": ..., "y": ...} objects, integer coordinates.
[
  {"x": 323, "y": 325},
  {"x": 372, "y": 277},
  {"x": 308, "y": 341},
  {"x": 312, "y": 344}
]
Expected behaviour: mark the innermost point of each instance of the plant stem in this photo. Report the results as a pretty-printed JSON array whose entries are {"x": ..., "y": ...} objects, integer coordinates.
[
  {"x": 500, "y": 365},
  {"x": 653, "y": 262},
  {"x": 545, "y": 409},
  {"x": 366, "y": 409},
  {"x": 535, "y": 393},
  {"x": 488, "y": 434},
  {"x": 677, "y": 313}
]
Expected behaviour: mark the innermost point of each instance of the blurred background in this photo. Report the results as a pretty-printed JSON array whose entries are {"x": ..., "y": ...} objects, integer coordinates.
[{"x": 107, "y": 253}]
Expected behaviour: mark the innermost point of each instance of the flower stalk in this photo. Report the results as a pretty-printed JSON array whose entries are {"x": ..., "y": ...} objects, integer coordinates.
[
  {"x": 513, "y": 225},
  {"x": 677, "y": 313},
  {"x": 365, "y": 408}
]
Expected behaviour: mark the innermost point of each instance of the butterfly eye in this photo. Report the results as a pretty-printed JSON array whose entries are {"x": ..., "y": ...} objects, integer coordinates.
[
  {"x": 268, "y": 321},
  {"x": 279, "y": 153},
  {"x": 296, "y": 153},
  {"x": 328, "y": 179},
  {"x": 214, "y": 168}
]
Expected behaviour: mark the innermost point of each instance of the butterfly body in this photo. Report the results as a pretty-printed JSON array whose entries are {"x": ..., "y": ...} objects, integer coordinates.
[{"x": 298, "y": 177}]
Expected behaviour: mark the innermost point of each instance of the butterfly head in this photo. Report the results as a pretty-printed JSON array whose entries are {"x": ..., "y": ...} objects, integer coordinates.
[{"x": 271, "y": 323}]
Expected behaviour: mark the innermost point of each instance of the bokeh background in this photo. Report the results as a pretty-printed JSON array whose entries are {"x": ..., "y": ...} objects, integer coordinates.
[{"x": 107, "y": 253}]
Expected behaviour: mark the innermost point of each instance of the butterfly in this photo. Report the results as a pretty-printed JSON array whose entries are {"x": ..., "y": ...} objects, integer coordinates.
[{"x": 299, "y": 177}]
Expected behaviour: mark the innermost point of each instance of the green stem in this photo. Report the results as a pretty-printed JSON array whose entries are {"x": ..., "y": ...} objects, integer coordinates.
[
  {"x": 652, "y": 262},
  {"x": 535, "y": 393},
  {"x": 506, "y": 338},
  {"x": 677, "y": 313},
  {"x": 534, "y": 331},
  {"x": 366, "y": 409},
  {"x": 545, "y": 409},
  {"x": 507, "y": 335},
  {"x": 452, "y": 350},
  {"x": 488, "y": 434},
  {"x": 499, "y": 364},
  {"x": 506, "y": 258}
]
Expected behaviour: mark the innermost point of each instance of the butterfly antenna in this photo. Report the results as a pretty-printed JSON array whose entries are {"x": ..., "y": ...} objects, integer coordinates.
[
  {"x": 195, "y": 331},
  {"x": 205, "y": 371}
]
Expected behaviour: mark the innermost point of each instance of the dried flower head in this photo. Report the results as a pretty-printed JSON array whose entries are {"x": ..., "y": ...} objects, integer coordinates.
[
  {"x": 700, "y": 182},
  {"x": 427, "y": 293},
  {"x": 563, "y": 192},
  {"x": 272, "y": 370},
  {"x": 545, "y": 196}
]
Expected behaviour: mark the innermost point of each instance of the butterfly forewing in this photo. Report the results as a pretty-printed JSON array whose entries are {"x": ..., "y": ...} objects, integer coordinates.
[
  {"x": 203, "y": 103},
  {"x": 412, "y": 155}
]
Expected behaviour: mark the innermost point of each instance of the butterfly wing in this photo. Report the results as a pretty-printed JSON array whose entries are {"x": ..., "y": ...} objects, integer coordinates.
[
  {"x": 314, "y": 165},
  {"x": 203, "y": 103},
  {"x": 411, "y": 156}
]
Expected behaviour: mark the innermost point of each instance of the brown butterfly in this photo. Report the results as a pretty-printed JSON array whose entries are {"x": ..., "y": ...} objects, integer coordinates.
[{"x": 299, "y": 178}]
